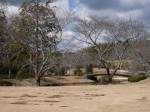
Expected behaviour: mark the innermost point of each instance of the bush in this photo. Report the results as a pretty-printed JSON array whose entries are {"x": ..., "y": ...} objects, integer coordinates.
[
  {"x": 22, "y": 74},
  {"x": 104, "y": 80},
  {"x": 93, "y": 78},
  {"x": 4, "y": 72},
  {"x": 63, "y": 71},
  {"x": 60, "y": 71},
  {"x": 78, "y": 72},
  {"x": 137, "y": 78},
  {"x": 4, "y": 77},
  {"x": 143, "y": 74},
  {"x": 5, "y": 83},
  {"x": 89, "y": 69},
  {"x": 112, "y": 65}
]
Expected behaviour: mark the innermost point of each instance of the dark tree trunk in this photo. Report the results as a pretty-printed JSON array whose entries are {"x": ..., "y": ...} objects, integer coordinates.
[
  {"x": 9, "y": 73},
  {"x": 107, "y": 70},
  {"x": 110, "y": 78},
  {"x": 109, "y": 75},
  {"x": 37, "y": 81}
]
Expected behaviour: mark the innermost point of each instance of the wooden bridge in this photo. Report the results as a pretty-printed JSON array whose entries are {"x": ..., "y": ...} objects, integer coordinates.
[{"x": 94, "y": 76}]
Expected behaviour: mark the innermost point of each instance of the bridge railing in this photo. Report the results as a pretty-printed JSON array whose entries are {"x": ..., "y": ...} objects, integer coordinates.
[
  {"x": 124, "y": 75},
  {"x": 94, "y": 76}
]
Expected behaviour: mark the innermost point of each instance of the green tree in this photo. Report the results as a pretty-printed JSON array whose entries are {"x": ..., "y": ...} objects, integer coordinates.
[
  {"x": 10, "y": 50},
  {"x": 37, "y": 28},
  {"x": 4, "y": 41}
]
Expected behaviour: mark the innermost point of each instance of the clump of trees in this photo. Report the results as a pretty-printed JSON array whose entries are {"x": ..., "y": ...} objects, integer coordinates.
[{"x": 29, "y": 42}]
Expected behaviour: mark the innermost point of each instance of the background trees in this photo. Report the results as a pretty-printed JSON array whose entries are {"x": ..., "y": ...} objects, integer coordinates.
[
  {"x": 141, "y": 45},
  {"x": 12, "y": 54},
  {"x": 29, "y": 45},
  {"x": 5, "y": 41}
]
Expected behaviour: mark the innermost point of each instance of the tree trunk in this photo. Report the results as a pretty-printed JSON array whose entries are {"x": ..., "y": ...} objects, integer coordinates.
[
  {"x": 110, "y": 78},
  {"x": 9, "y": 73},
  {"x": 109, "y": 75},
  {"x": 37, "y": 81}
]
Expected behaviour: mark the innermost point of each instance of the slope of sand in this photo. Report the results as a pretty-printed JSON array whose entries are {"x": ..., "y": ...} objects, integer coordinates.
[{"x": 87, "y": 98}]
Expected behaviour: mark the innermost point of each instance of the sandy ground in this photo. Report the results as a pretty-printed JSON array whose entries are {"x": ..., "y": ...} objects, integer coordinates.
[{"x": 87, "y": 98}]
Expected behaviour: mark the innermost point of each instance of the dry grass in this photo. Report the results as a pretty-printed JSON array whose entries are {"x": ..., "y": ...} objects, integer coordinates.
[
  {"x": 142, "y": 99},
  {"x": 94, "y": 95},
  {"x": 19, "y": 102},
  {"x": 26, "y": 95},
  {"x": 8, "y": 97},
  {"x": 51, "y": 101},
  {"x": 88, "y": 98},
  {"x": 64, "y": 106},
  {"x": 35, "y": 104},
  {"x": 55, "y": 96}
]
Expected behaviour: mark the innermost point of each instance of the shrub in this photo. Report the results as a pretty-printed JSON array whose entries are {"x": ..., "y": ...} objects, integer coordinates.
[
  {"x": 104, "y": 80},
  {"x": 4, "y": 72},
  {"x": 5, "y": 83},
  {"x": 93, "y": 78},
  {"x": 23, "y": 73},
  {"x": 63, "y": 71},
  {"x": 137, "y": 78},
  {"x": 3, "y": 76},
  {"x": 78, "y": 72},
  {"x": 143, "y": 74},
  {"x": 113, "y": 65},
  {"x": 60, "y": 71},
  {"x": 89, "y": 69}
]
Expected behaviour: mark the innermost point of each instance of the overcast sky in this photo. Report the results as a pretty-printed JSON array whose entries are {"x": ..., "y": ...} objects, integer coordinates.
[{"x": 137, "y": 9}]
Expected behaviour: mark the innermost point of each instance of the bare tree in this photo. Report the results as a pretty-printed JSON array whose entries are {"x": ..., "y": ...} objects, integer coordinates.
[
  {"x": 117, "y": 33},
  {"x": 141, "y": 51},
  {"x": 138, "y": 33}
]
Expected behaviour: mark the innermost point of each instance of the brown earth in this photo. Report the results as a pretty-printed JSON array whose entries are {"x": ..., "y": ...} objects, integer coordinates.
[{"x": 129, "y": 97}]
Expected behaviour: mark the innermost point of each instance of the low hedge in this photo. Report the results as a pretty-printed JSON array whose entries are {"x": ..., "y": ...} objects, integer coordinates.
[
  {"x": 93, "y": 78},
  {"x": 103, "y": 80},
  {"x": 137, "y": 78},
  {"x": 6, "y": 83},
  {"x": 78, "y": 72},
  {"x": 143, "y": 74}
]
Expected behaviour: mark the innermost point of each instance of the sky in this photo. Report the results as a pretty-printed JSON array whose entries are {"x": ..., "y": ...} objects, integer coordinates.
[{"x": 137, "y": 9}]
